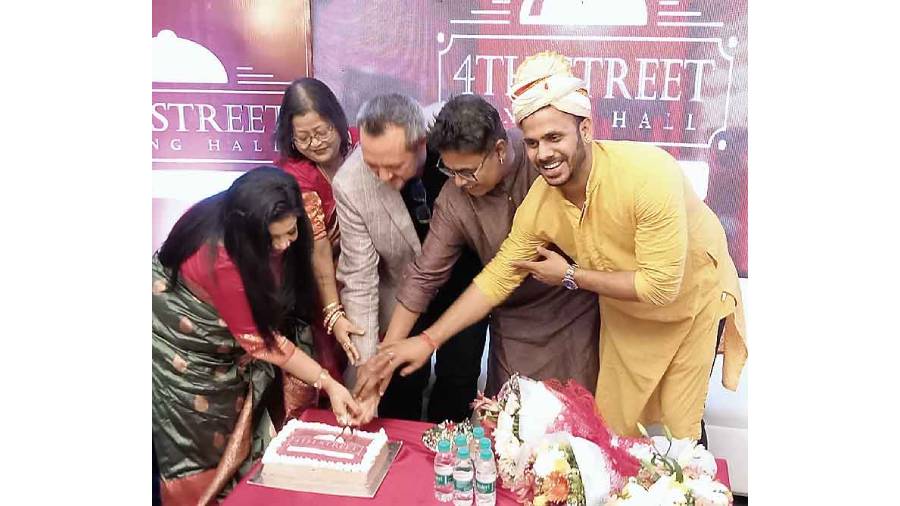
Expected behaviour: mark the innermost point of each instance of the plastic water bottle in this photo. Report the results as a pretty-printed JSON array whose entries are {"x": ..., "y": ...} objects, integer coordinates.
[
  {"x": 463, "y": 476},
  {"x": 485, "y": 477},
  {"x": 477, "y": 434},
  {"x": 444, "y": 463},
  {"x": 460, "y": 441}
]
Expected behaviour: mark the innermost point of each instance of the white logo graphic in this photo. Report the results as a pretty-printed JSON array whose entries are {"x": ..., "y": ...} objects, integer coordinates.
[
  {"x": 585, "y": 12},
  {"x": 177, "y": 60}
]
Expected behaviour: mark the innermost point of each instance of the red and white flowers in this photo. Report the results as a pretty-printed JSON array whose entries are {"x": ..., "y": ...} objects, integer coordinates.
[{"x": 554, "y": 449}]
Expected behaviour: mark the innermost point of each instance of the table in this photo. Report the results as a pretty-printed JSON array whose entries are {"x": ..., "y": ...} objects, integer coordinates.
[{"x": 410, "y": 479}]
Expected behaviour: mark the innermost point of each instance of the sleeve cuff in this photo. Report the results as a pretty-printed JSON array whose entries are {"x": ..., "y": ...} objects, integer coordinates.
[
  {"x": 641, "y": 287},
  {"x": 415, "y": 302},
  {"x": 653, "y": 294},
  {"x": 489, "y": 289}
]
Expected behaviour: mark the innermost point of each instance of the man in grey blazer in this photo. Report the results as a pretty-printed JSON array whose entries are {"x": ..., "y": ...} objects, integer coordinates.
[{"x": 385, "y": 191}]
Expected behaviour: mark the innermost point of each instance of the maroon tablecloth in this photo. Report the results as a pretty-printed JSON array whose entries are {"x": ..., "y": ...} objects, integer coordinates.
[{"x": 410, "y": 479}]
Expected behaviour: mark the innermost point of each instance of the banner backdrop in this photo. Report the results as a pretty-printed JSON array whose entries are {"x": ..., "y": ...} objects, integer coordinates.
[
  {"x": 667, "y": 72},
  {"x": 220, "y": 68}
]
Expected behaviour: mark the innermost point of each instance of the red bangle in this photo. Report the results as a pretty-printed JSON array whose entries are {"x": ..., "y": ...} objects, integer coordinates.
[{"x": 429, "y": 340}]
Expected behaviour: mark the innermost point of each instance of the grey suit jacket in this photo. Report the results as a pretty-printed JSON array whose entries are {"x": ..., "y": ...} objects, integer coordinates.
[{"x": 378, "y": 241}]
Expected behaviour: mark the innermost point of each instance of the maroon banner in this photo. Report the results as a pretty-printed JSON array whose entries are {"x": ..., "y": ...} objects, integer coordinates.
[
  {"x": 668, "y": 72},
  {"x": 219, "y": 72}
]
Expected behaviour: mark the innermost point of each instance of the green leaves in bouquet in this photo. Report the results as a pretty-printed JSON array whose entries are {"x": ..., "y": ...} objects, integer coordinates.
[
  {"x": 511, "y": 388},
  {"x": 679, "y": 473},
  {"x": 670, "y": 464},
  {"x": 576, "y": 486}
]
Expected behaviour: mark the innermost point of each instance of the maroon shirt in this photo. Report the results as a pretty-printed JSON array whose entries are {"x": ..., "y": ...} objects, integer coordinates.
[{"x": 540, "y": 331}]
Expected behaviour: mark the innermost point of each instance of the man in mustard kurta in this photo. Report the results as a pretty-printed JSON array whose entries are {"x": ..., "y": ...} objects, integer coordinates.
[{"x": 639, "y": 237}]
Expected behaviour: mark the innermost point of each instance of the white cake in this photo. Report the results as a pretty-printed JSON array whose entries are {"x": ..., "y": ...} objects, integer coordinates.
[{"x": 308, "y": 456}]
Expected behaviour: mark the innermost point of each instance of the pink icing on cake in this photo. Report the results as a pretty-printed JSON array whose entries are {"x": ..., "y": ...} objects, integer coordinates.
[
  {"x": 298, "y": 443},
  {"x": 312, "y": 445}
]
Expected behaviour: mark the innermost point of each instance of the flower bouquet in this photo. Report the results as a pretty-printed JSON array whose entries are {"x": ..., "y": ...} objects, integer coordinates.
[
  {"x": 553, "y": 448},
  {"x": 551, "y": 476},
  {"x": 685, "y": 474},
  {"x": 534, "y": 418}
]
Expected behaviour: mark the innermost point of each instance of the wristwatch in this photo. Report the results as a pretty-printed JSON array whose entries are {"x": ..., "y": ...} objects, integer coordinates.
[{"x": 568, "y": 280}]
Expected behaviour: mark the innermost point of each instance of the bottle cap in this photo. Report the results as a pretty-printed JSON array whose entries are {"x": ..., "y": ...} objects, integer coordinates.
[
  {"x": 485, "y": 454},
  {"x": 463, "y": 452},
  {"x": 461, "y": 440},
  {"x": 443, "y": 446},
  {"x": 484, "y": 443},
  {"x": 478, "y": 432}
]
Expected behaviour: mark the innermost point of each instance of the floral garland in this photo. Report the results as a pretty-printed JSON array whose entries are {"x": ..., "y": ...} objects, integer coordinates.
[
  {"x": 507, "y": 442},
  {"x": 446, "y": 430}
]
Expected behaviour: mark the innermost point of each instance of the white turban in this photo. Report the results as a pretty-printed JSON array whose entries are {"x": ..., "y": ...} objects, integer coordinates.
[{"x": 546, "y": 79}]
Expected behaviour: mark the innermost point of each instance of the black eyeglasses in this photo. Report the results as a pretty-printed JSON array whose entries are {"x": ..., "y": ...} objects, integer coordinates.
[
  {"x": 468, "y": 175},
  {"x": 421, "y": 211}
]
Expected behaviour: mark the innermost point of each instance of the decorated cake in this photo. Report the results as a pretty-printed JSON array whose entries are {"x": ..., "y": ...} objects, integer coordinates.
[{"x": 316, "y": 456}]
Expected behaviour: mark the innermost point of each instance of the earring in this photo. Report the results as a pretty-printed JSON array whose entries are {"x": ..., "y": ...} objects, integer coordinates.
[{"x": 501, "y": 160}]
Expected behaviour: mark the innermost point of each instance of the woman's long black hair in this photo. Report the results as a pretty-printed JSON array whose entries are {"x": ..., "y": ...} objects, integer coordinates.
[{"x": 240, "y": 218}]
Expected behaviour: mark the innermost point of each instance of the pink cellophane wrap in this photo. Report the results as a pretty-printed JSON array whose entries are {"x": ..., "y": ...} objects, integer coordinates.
[{"x": 580, "y": 418}]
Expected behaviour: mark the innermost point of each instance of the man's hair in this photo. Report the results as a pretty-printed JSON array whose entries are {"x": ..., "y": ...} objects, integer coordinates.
[
  {"x": 467, "y": 124},
  {"x": 393, "y": 109}
]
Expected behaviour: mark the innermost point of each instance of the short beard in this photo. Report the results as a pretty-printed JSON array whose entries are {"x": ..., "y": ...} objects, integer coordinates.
[{"x": 575, "y": 162}]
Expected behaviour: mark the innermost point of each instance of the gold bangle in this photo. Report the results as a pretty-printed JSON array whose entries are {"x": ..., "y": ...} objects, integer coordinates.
[
  {"x": 329, "y": 327},
  {"x": 330, "y": 316},
  {"x": 323, "y": 374},
  {"x": 331, "y": 312},
  {"x": 327, "y": 309}
]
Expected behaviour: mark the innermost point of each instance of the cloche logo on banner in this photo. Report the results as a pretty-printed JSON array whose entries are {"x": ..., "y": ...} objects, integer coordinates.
[{"x": 203, "y": 118}]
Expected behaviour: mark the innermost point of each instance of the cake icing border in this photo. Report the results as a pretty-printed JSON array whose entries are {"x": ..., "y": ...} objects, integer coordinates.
[{"x": 379, "y": 440}]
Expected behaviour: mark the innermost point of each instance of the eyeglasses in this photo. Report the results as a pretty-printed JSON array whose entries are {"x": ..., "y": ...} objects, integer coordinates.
[
  {"x": 304, "y": 140},
  {"x": 468, "y": 175}
]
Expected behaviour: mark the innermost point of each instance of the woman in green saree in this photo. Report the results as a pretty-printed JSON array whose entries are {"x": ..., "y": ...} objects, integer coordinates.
[{"x": 232, "y": 291}]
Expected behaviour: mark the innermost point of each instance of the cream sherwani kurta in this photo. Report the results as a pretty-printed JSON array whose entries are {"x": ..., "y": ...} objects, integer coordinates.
[{"x": 640, "y": 215}]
